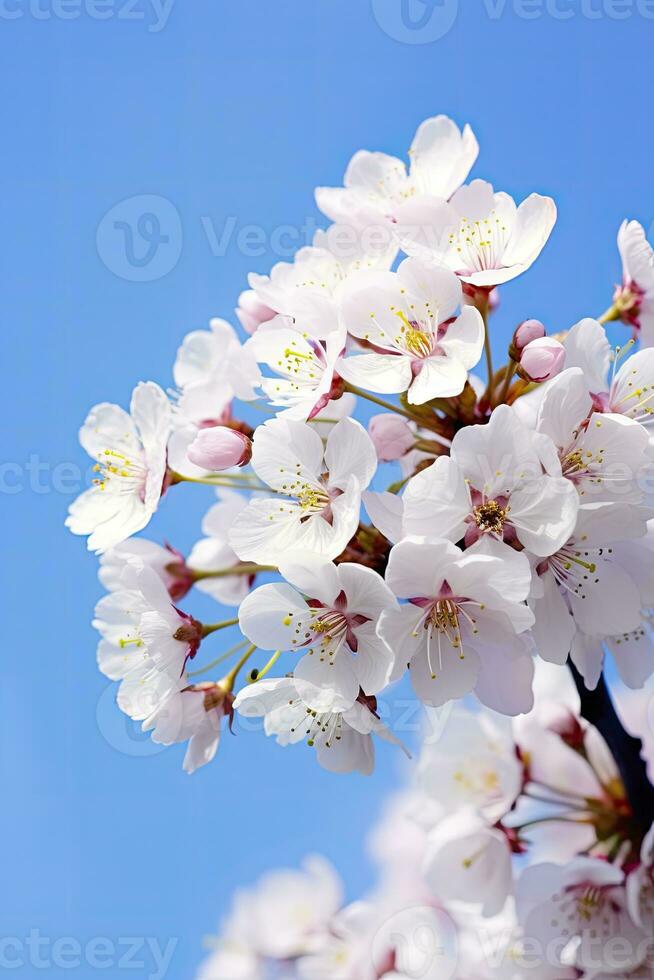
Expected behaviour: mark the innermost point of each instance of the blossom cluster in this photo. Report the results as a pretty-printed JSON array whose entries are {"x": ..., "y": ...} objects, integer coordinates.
[
  {"x": 519, "y": 527},
  {"x": 510, "y": 854}
]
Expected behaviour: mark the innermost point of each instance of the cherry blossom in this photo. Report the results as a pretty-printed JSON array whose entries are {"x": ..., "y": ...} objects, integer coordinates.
[
  {"x": 376, "y": 184},
  {"x": 166, "y": 561},
  {"x": 130, "y": 450},
  {"x": 335, "y": 624},
  {"x": 460, "y": 629},
  {"x": 408, "y": 317},
  {"x": 634, "y": 300},
  {"x": 342, "y": 739},
  {"x": 305, "y": 368},
  {"x": 580, "y": 908},
  {"x": 318, "y": 490},
  {"x": 480, "y": 235},
  {"x": 308, "y": 289},
  {"x": 603, "y": 454},
  {"x": 211, "y": 368},
  {"x": 492, "y": 485}
]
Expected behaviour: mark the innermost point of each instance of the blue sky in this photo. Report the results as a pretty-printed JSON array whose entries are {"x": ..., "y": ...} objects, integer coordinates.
[{"x": 225, "y": 116}]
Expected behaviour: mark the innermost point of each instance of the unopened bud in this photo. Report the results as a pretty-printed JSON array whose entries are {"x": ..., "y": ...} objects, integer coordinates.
[
  {"x": 220, "y": 448},
  {"x": 527, "y": 331},
  {"x": 541, "y": 359},
  {"x": 391, "y": 435}
]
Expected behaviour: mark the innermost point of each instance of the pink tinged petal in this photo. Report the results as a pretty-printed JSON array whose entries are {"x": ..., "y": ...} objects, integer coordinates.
[
  {"x": 527, "y": 331},
  {"x": 391, "y": 435},
  {"x": 505, "y": 680},
  {"x": 634, "y": 657},
  {"x": 219, "y": 448},
  {"x": 396, "y": 628},
  {"x": 445, "y": 675},
  {"x": 554, "y": 628},
  {"x": 352, "y": 752},
  {"x": 609, "y": 602},
  {"x": 587, "y": 654}
]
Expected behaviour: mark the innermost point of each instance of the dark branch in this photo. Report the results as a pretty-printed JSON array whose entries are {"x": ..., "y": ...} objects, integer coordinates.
[{"x": 598, "y": 709}]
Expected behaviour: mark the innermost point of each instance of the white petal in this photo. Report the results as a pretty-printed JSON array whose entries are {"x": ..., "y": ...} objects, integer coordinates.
[
  {"x": 587, "y": 347},
  {"x": 554, "y": 627},
  {"x": 544, "y": 513},
  {"x": 439, "y": 377},
  {"x": 350, "y": 452},
  {"x": 437, "y": 501},
  {"x": 386, "y": 511},
  {"x": 417, "y": 570},
  {"x": 285, "y": 452},
  {"x": 387, "y": 374},
  {"x": 271, "y": 616},
  {"x": 327, "y": 685}
]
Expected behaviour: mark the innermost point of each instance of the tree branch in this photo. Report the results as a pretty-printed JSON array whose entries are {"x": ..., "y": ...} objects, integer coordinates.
[{"x": 598, "y": 709}]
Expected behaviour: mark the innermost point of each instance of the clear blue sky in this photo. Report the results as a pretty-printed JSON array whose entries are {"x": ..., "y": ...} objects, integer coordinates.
[{"x": 232, "y": 112}]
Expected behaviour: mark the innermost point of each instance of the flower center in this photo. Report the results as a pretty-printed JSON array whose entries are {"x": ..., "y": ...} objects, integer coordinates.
[
  {"x": 490, "y": 516},
  {"x": 413, "y": 338},
  {"x": 480, "y": 244},
  {"x": 119, "y": 472}
]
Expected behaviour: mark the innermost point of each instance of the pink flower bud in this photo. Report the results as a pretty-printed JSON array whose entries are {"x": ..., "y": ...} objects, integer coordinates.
[
  {"x": 391, "y": 435},
  {"x": 219, "y": 448},
  {"x": 542, "y": 359},
  {"x": 527, "y": 331},
  {"x": 252, "y": 312}
]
